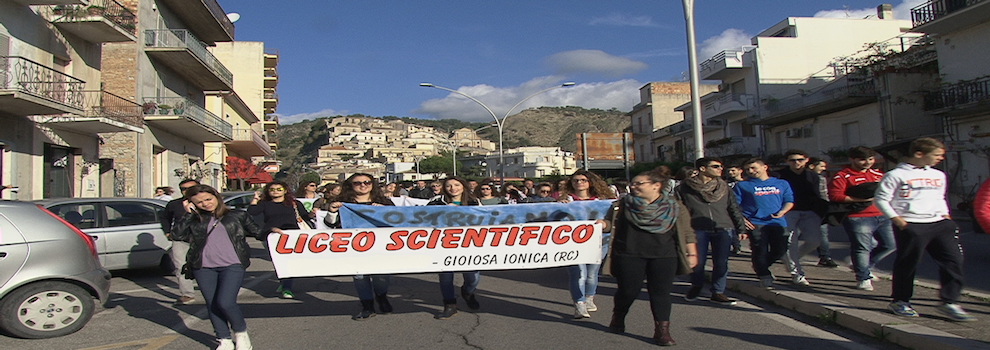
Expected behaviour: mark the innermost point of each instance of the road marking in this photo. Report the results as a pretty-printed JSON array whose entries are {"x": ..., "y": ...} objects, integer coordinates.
[{"x": 149, "y": 344}]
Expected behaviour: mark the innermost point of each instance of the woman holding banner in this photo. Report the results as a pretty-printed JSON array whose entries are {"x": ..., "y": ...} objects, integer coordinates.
[
  {"x": 218, "y": 257},
  {"x": 279, "y": 210},
  {"x": 362, "y": 188},
  {"x": 653, "y": 239},
  {"x": 455, "y": 192},
  {"x": 584, "y": 185}
]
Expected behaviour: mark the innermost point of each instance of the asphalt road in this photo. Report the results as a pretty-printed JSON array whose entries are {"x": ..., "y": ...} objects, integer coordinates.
[{"x": 522, "y": 309}]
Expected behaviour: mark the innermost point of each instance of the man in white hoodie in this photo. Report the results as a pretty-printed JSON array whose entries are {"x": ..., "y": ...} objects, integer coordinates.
[{"x": 913, "y": 197}]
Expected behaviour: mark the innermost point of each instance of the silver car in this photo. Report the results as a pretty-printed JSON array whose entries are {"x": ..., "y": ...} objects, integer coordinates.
[
  {"x": 128, "y": 231},
  {"x": 49, "y": 273}
]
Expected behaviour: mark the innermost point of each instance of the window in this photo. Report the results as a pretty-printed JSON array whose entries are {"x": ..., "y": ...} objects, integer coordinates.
[
  {"x": 80, "y": 215},
  {"x": 131, "y": 213}
]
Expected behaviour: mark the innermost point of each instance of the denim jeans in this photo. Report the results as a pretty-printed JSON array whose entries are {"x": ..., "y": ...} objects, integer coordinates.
[
  {"x": 870, "y": 240},
  {"x": 583, "y": 278},
  {"x": 721, "y": 244},
  {"x": 220, "y": 286},
  {"x": 825, "y": 249},
  {"x": 370, "y": 286},
  {"x": 802, "y": 224},
  {"x": 471, "y": 280},
  {"x": 768, "y": 243}
]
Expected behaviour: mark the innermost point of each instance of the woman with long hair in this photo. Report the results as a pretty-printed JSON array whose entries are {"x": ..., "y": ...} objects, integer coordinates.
[
  {"x": 329, "y": 195},
  {"x": 653, "y": 239},
  {"x": 488, "y": 195},
  {"x": 363, "y": 189},
  {"x": 218, "y": 257},
  {"x": 279, "y": 210},
  {"x": 455, "y": 193},
  {"x": 584, "y": 185}
]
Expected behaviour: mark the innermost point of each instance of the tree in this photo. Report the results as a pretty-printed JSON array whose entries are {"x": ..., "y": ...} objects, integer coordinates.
[
  {"x": 439, "y": 164},
  {"x": 243, "y": 170}
]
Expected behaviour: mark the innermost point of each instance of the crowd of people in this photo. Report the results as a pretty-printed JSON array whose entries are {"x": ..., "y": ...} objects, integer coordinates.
[{"x": 661, "y": 224}]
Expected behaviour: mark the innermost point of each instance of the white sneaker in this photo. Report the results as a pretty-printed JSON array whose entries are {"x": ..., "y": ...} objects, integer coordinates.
[
  {"x": 864, "y": 285},
  {"x": 581, "y": 310},
  {"x": 800, "y": 279},
  {"x": 242, "y": 341},
  {"x": 226, "y": 344},
  {"x": 955, "y": 312},
  {"x": 591, "y": 303}
]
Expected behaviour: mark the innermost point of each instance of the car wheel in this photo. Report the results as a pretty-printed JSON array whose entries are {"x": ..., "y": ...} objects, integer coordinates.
[{"x": 45, "y": 310}]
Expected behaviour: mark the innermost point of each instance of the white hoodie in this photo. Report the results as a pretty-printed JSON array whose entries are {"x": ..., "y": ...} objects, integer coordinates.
[{"x": 916, "y": 194}]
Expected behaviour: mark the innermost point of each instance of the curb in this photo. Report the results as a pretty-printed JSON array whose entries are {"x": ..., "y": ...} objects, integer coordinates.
[{"x": 896, "y": 330}]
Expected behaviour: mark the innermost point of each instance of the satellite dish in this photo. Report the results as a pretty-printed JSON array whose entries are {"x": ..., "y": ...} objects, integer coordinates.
[{"x": 233, "y": 16}]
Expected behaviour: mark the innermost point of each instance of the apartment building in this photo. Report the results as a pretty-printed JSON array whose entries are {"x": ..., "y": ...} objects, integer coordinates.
[
  {"x": 56, "y": 112},
  {"x": 654, "y": 112}
]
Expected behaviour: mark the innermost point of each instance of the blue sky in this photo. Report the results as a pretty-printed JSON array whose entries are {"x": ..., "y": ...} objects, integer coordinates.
[{"x": 368, "y": 57}]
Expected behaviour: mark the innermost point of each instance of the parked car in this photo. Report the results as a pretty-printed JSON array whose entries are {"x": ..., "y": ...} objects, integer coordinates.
[
  {"x": 127, "y": 231},
  {"x": 49, "y": 273},
  {"x": 239, "y": 200}
]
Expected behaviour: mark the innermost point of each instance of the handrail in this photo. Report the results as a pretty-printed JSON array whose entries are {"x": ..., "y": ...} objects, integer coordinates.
[
  {"x": 936, "y": 9},
  {"x": 19, "y": 73},
  {"x": 183, "y": 38},
  {"x": 185, "y": 108},
  {"x": 109, "y": 9},
  {"x": 773, "y": 108},
  {"x": 722, "y": 56},
  {"x": 102, "y": 103},
  {"x": 959, "y": 94}
]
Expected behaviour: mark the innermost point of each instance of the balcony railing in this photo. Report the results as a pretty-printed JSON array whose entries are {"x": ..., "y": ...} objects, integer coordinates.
[
  {"x": 181, "y": 38},
  {"x": 205, "y": 17},
  {"x": 21, "y": 74},
  {"x": 100, "y": 103},
  {"x": 112, "y": 10},
  {"x": 936, "y": 9},
  {"x": 727, "y": 103},
  {"x": 724, "y": 57},
  {"x": 187, "y": 109},
  {"x": 852, "y": 89},
  {"x": 959, "y": 94},
  {"x": 271, "y": 95}
]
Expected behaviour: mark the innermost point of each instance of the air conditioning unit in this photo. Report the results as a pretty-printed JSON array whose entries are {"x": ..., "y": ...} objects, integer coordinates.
[
  {"x": 715, "y": 122},
  {"x": 794, "y": 133}
]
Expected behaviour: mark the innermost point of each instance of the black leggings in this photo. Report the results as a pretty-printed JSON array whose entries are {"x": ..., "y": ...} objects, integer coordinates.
[{"x": 629, "y": 273}]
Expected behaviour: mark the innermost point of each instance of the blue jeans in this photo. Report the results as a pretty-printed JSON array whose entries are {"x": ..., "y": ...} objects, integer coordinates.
[
  {"x": 721, "y": 245},
  {"x": 583, "y": 278},
  {"x": 471, "y": 280},
  {"x": 370, "y": 286},
  {"x": 220, "y": 286},
  {"x": 769, "y": 244},
  {"x": 870, "y": 240},
  {"x": 825, "y": 249}
]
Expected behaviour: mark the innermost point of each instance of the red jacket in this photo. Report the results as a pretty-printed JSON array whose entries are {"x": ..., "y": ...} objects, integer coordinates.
[
  {"x": 847, "y": 178},
  {"x": 981, "y": 206}
]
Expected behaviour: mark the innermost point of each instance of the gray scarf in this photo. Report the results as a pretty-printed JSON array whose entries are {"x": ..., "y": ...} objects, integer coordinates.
[{"x": 657, "y": 217}]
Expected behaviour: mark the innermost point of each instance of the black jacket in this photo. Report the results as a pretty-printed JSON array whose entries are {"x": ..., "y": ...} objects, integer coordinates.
[
  {"x": 723, "y": 213},
  {"x": 174, "y": 211},
  {"x": 238, "y": 224}
]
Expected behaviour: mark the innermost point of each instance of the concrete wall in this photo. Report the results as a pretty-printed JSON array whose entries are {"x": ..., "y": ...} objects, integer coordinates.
[{"x": 962, "y": 54}]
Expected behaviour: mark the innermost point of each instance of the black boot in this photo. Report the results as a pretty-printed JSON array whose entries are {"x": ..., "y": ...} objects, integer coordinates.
[
  {"x": 449, "y": 309},
  {"x": 383, "y": 305},
  {"x": 367, "y": 310},
  {"x": 618, "y": 324},
  {"x": 470, "y": 299},
  {"x": 661, "y": 333}
]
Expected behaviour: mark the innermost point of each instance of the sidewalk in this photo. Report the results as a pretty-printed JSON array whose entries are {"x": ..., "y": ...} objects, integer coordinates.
[{"x": 833, "y": 298}]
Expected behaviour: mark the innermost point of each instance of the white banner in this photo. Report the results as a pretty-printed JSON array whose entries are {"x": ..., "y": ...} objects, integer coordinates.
[{"x": 390, "y": 250}]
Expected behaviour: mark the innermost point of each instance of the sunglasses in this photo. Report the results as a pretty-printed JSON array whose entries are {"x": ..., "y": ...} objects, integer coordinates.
[
  {"x": 183, "y": 189},
  {"x": 311, "y": 185},
  {"x": 276, "y": 190},
  {"x": 435, "y": 186},
  {"x": 641, "y": 183},
  {"x": 359, "y": 183},
  {"x": 544, "y": 191},
  {"x": 486, "y": 188},
  {"x": 797, "y": 159}
]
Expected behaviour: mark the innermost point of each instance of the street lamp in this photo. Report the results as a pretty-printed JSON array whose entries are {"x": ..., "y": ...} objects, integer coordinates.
[
  {"x": 500, "y": 123},
  {"x": 699, "y": 135}
]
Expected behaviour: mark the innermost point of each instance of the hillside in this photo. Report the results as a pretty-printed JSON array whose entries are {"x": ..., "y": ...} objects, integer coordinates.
[{"x": 544, "y": 126}]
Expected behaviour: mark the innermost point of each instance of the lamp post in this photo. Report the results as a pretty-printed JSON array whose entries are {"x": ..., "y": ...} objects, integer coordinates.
[
  {"x": 699, "y": 135},
  {"x": 499, "y": 123}
]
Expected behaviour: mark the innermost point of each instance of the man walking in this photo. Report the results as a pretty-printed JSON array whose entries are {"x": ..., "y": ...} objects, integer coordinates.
[
  {"x": 764, "y": 201},
  {"x": 855, "y": 186},
  {"x": 819, "y": 166},
  {"x": 913, "y": 197},
  {"x": 174, "y": 211},
  {"x": 716, "y": 219},
  {"x": 421, "y": 191},
  {"x": 805, "y": 219}
]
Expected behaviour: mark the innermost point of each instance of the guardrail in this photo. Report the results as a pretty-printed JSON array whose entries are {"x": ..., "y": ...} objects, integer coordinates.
[
  {"x": 959, "y": 94},
  {"x": 936, "y": 9},
  {"x": 109, "y": 9},
  {"x": 19, "y": 73},
  {"x": 187, "y": 109},
  {"x": 101, "y": 103},
  {"x": 182, "y": 38}
]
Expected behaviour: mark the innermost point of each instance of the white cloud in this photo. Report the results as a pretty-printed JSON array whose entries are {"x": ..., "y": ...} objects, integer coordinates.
[
  {"x": 618, "y": 19},
  {"x": 901, "y": 11},
  {"x": 593, "y": 62},
  {"x": 729, "y": 39},
  {"x": 621, "y": 94},
  {"x": 295, "y": 118}
]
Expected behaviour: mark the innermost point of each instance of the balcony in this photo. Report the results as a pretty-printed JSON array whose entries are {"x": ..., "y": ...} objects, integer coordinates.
[
  {"x": 847, "y": 92},
  {"x": 103, "y": 112},
  {"x": 960, "y": 99},
  {"x": 271, "y": 58},
  {"x": 271, "y": 77},
  {"x": 270, "y": 122},
  {"x": 248, "y": 143},
  {"x": 946, "y": 16},
  {"x": 100, "y": 21},
  {"x": 271, "y": 101},
  {"x": 29, "y": 88},
  {"x": 182, "y": 117},
  {"x": 204, "y": 17},
  {"x": 724, "y": 64},
  {"x": 185, "y": 54},
  {"x": 722, "y": 105}
]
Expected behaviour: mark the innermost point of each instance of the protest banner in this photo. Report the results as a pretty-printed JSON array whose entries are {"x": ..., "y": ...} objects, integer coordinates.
[
  {"x": 389, "y": 250},
  {"x": 367, "y": 216}
]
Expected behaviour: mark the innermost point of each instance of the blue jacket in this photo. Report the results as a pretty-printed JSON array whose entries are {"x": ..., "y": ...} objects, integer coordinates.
[{"x": 760, "y": 199}]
